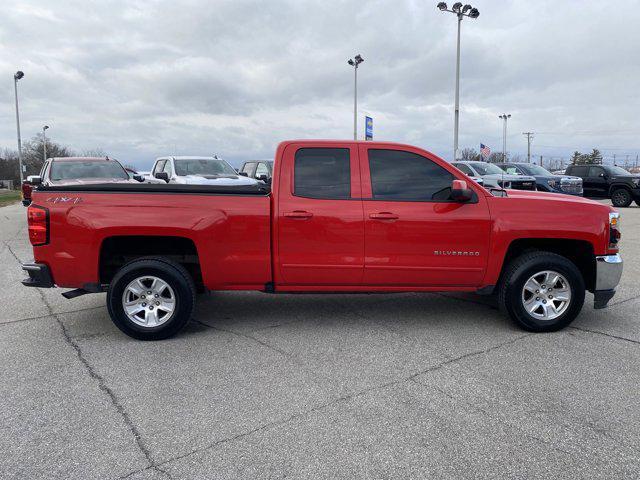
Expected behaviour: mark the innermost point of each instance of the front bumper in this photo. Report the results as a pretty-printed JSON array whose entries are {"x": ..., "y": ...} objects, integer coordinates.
[
  {"x": 39, "y": 275},
  {"x": 608, "y": 274}
]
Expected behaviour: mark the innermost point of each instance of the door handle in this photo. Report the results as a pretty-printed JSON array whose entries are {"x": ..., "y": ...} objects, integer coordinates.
[
  {"x": 383, "y": 216},
  {"x": 298, "y": 214}
]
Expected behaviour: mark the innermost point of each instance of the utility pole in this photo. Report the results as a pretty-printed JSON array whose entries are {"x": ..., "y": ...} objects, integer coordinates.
[
  {"x": 44, "y": 141},
  {"x": 529, "y": 137},
  {"x": 504, "y": 117},
  {"x": 540, "y": 160},
  {"x": 17, "y": 76},
  {"x": 354, "y": 62},
  {"x": 460, "y": 11}
]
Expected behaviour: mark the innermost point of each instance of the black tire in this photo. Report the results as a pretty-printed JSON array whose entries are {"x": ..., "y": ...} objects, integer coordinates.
[
  {"x": 621, "y": 197},
  {"x": 175, "y": 275},
  {"x": 520, "y": 270}
]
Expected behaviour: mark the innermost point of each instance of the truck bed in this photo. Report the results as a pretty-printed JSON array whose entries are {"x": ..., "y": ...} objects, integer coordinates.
[{"x": 229, "y": 227}]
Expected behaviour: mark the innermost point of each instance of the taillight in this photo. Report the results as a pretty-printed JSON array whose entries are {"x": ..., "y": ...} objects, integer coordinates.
[
  {"x": 38, "y": 221},
  {"x": 614, "y": 231}
]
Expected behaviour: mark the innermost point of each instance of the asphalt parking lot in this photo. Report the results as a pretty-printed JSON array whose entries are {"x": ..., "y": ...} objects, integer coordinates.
[{"x": 319, "y": 386}]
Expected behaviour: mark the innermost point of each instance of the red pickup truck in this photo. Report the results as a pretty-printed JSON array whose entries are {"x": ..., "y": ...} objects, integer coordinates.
[{"x": 340, "y": 216}]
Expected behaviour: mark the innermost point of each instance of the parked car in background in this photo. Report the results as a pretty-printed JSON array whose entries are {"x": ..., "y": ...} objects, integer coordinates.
[
  {"x": 259, "y": 169},
  {"x": 495, "y": 177},
  {"x": 60, "y": 171},
  {"x": 605, "y": 181},
  {"x": 545, "y": 180},
  {"x": 187, "y": 170}
]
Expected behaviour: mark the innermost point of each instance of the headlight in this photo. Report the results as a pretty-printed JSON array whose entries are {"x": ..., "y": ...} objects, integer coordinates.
[
  {"x": 636, "y": 181},
  {"x": 614, "y": 230}
]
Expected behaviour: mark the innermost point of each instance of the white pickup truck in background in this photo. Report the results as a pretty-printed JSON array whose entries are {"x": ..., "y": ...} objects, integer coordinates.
[{"x": 188, "y": 170}]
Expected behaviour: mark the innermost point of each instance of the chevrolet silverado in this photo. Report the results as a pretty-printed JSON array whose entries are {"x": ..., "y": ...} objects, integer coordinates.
[{"x": 340, "y": 216}]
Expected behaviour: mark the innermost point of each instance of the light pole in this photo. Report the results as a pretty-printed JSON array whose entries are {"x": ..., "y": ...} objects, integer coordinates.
[
  {"x": 17, "y": 76},
  {"x": 354, "y": 62},
  {"x": 461, "y": 12},
  {"x": 44, "y": 141},
  {"x": 504, "y": 117}
]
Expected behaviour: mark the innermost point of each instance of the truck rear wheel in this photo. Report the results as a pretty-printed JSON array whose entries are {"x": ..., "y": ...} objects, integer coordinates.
[
  {"x": 151, "y": 298},
  {"x": 542, "y": 291},
  {"x": 621, "y": 197}
]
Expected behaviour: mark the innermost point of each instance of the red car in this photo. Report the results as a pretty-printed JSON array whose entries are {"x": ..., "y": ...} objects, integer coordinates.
[
  {"x": 74, "y": 171},
  {"x": 342, "y": 216}
]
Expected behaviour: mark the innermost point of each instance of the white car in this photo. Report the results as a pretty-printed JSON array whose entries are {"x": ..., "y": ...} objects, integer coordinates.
[{"x": 197, "y": 171}]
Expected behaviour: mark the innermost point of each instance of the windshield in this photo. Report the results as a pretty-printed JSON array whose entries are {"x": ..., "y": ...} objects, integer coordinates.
[
  {"x": 617, "y": 171},
  {"x": 534, "y": 170},
  {"x": 487, "y": 168},
  {"x": 194, "y": 166},
  {"x": 73, "y": 170}
]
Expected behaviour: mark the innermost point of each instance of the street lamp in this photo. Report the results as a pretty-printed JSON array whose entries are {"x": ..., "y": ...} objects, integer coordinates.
[
  {"x": 504, "y": 117},
  {"x": 460, "y": 11},
  {"x": 17, "y": 76},
  {"x": 354, "y": 62},
  {"x": 44, "y": 141}
]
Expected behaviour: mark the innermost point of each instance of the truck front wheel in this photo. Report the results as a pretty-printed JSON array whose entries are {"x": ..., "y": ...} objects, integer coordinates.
[
  {"x": 151, "y": 298},
  {"x": 542, "y": 291}
]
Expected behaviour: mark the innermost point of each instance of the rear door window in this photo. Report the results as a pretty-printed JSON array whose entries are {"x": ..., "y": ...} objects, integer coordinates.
[
  {"x": 323, "y": 173},
  {"x": 579, "y": 171},
  {"x": 400, "y": 175}
]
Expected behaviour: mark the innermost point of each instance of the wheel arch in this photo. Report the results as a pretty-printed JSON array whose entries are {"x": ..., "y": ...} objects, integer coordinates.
[
  {"x": 580, "y": 252},
  {"x": 118, "y": 250}
]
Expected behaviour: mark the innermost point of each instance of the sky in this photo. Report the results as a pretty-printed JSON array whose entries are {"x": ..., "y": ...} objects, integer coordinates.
[{"x": 142, "y": 79}]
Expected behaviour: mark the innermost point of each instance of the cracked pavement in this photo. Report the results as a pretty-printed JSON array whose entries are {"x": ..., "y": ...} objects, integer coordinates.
[{"x": 316, "y": 386}]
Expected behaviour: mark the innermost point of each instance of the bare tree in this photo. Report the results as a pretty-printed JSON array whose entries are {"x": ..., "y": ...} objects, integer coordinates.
[{"x": 469, "y": 155}]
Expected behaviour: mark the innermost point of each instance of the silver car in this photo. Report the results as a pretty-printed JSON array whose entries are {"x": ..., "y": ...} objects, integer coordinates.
[{"x": 495, "y": 177}]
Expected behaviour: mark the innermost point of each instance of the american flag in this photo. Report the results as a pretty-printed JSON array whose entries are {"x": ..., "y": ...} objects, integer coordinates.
[{"x": 484, "y": 151}]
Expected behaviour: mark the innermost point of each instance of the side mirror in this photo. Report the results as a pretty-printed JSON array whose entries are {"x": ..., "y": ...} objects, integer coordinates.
[
  {"x": 243, "y": 174},
  {"x": 162, "y": 176},
  {"x": 602, "y": 175},
  {"x": 34, "y": 179},
  {"x": 138, "y": 177},
  {"x": 460, "y": 191},
  {"x": 264, "y": 178}
]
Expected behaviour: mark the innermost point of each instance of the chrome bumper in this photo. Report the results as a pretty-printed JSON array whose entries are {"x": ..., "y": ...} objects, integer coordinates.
[{"x": 608, "y": 271}]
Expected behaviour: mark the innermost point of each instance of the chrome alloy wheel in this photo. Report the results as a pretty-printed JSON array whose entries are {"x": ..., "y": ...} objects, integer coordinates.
[
  {"x": 148, "y": 301},
  {"x": 546, "y": 295}
]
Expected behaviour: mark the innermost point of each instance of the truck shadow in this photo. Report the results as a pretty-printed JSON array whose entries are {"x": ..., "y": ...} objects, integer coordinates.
[{"x": 252, "y": 311}]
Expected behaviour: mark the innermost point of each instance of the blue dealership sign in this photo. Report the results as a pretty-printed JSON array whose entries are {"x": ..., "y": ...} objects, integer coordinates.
[{"x": 368, "y": 128}]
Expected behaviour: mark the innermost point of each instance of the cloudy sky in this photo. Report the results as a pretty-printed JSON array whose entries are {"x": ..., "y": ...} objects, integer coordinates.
[{"x": 141, "y": 79}]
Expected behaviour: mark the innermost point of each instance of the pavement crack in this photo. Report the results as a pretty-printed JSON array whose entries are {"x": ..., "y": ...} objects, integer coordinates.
[
  {"x": 494, "y": 418},
  {"x": 248, "y": 337},
  {"x": 596, "y": 332},
  {"x": 102, "y": 385},
  {"x": 341, "y": 399},
  {"x": 468, "y": 355},
  {"x": 41, "y": 317}
]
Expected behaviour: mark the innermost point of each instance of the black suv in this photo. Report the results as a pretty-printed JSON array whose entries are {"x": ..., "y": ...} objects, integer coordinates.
[{"x": 604, "y": 181}]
